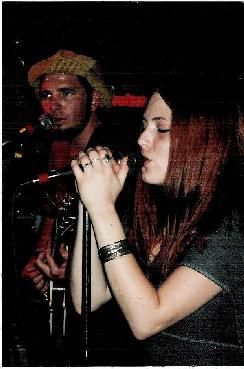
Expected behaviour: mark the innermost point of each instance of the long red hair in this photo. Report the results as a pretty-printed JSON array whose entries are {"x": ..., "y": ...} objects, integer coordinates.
[{"x": 177, "y": 214}]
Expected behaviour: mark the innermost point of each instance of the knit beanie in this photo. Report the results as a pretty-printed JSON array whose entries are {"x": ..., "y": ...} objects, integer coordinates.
[{"x": 68, "y": 62}]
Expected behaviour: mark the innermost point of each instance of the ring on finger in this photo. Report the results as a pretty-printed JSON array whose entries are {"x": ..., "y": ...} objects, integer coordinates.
[
  {"x": 86, "y": 165},
  {"x": 107, "y": 158},
  {"x": 94, "y": 160}
]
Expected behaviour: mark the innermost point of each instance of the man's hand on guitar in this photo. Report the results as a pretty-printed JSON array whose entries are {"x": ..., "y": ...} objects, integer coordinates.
[
  {"x": 46, "y": 263},
  {"x": 33, "y": 273},
  {"x": 40, "y": 269}
]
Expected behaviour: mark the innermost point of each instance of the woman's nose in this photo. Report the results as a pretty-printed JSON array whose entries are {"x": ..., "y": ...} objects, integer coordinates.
[{"x": 145, "y": 139}]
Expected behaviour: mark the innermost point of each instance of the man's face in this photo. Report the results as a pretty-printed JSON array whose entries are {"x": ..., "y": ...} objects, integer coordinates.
[{"x": 63, "y": 97}]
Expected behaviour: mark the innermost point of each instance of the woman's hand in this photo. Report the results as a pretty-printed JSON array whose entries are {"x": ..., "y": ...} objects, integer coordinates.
[{"x": 102, "y": 178}]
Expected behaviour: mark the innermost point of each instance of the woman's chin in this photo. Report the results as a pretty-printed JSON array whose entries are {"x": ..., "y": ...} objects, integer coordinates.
[{"x": 148, "y": 179}]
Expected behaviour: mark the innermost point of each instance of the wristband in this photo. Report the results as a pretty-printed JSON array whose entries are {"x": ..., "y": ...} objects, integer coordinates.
[{"x": 114, "y": 250}]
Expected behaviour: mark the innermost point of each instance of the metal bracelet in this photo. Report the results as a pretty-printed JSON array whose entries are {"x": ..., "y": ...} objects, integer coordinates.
[{"x": 114, "y": 250}]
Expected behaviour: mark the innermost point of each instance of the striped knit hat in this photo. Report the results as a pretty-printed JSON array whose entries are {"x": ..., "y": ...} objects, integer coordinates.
[{"x": 68, "y": 62}]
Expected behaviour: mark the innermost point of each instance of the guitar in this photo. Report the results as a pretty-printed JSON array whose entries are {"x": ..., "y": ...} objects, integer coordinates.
[
  {"x": 56, "y": 294},
  {"x": 64, "y": 230}
]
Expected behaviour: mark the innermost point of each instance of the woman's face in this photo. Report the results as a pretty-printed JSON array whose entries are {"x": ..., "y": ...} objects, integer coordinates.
[{"x": 154, "y": 140}]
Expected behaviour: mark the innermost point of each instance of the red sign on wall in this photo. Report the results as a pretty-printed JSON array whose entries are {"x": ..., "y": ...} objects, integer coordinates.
[{"x": 128, "y": 100}]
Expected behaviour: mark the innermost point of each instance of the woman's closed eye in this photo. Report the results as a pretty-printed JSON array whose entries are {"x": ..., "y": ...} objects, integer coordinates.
[
  {"x": 160, "y": 130},
  {"x": 163, "y": 130}
]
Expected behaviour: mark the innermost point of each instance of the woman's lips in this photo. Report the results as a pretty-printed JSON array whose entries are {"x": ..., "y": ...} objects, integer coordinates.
[{"x": 146, "y": 162}]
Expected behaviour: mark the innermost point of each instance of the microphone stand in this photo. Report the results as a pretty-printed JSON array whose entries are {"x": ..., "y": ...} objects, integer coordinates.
[{"x": 86, "y": 290}]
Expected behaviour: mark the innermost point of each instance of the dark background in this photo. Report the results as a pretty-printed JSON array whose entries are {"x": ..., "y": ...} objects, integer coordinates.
[{"x": 139, "y": 45}]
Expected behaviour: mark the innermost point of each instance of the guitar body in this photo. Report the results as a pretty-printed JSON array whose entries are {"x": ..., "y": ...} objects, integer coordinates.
[
  {"x": 62, "y": 204},
  {"x": 56, "y": 294}
]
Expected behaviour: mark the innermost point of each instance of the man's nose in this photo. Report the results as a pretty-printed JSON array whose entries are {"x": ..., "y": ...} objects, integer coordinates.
[{"x": 54, "y": 104}]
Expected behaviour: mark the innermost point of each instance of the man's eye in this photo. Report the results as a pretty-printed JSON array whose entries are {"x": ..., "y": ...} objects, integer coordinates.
[
  {"x": 44, "y": 95},
  {"x": 161, "y": 130},
  {"x": 67, "y": 92}
]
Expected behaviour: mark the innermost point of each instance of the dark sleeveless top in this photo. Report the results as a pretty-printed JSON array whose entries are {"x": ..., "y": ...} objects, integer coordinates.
[{"x": 214, "y": 334}]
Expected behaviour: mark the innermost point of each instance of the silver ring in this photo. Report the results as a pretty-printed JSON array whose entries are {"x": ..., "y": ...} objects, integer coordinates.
[
  {"x": 107, "y": 157},
  {"x": 86, "y": 165},
  {"x": 94, "y": 160}
]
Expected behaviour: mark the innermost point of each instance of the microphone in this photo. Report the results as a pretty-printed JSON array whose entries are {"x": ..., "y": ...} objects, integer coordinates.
[
  {"x": 46, "y": 122},
  {"x": 133, "y": 161}
]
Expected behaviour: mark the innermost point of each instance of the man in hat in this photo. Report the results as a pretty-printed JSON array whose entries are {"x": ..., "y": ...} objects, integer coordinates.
[{"x": 70, "y": 88}]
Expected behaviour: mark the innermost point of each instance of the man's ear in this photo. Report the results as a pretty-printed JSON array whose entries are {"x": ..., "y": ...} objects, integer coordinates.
[{"x": 96, "y": 100}]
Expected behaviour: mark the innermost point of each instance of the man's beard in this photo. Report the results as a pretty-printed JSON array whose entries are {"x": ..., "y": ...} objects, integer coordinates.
[{"x": 69, "y": 133}]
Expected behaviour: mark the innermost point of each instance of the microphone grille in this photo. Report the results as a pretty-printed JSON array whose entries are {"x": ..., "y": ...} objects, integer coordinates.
[
  {"x": 134, "y": 159},
  {"x": 46, "y": 121}
]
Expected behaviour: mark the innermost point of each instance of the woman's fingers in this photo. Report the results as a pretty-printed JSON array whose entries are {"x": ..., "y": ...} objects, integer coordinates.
[
  {"x": 75, "y": 166},
  {"x": 101, "y": 157},
  {"x": 123, "y": 170},
  {"x": 91, "y": 158}
]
